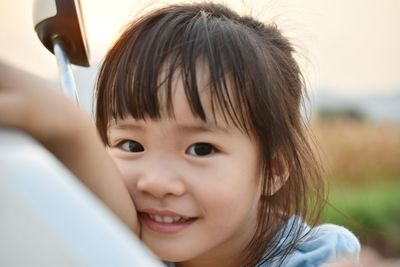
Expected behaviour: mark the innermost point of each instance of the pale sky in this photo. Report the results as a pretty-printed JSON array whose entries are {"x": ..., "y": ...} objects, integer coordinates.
[{"x": 352, "y": 47}]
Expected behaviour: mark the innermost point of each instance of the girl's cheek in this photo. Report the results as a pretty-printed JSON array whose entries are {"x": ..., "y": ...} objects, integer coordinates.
[{"x": 126, "y": 169}]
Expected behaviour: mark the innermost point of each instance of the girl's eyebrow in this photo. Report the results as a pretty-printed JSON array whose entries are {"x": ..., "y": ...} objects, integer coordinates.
[
  {"x": 125, "y": 126},
  {"x": 206, "y": 127},
  {"x": 190, "y": 128}
]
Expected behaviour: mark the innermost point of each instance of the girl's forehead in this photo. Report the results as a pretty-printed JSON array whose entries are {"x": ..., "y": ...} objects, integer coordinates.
[
  {"x": 221, "y": 110},
  {"x": 181, "y": 114},
  {"x": 178, "y": 112},
  {"x": 179, "y": 77},
  {"x": 181, "y": 99},
  {"x": 183, "y": 94}
]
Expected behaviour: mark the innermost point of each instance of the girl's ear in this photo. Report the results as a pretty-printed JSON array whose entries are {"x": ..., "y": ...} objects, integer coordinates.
[{"x": 280, "y": 174}]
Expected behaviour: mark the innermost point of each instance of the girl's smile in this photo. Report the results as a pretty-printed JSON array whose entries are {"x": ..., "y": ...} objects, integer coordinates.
[{"x": 164, "y": 221}]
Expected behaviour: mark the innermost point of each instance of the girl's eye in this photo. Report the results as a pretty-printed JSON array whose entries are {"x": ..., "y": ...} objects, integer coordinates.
[
  {"x": 131, "y": 146},
  {"x": 200, "y": 149}
]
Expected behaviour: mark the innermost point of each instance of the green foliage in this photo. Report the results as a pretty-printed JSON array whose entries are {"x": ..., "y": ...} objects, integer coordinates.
[{"x": 371, "y": 211}]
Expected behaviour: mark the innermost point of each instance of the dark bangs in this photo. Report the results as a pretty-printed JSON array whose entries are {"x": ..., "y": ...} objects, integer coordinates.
[{"x": 154, "y": 49}]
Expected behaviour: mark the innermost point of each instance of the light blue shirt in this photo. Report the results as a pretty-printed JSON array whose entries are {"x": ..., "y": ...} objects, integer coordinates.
[{"x": 325, "y": 244}]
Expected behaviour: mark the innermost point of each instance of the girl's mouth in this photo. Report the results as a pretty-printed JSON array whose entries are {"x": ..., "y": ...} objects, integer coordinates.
[
  {"x": 165, "y": 223},
  {"x": 168, "y": 219}
]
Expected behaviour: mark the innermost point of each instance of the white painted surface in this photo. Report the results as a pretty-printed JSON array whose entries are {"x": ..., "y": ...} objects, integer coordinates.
[{"x": 48, "y": 218}]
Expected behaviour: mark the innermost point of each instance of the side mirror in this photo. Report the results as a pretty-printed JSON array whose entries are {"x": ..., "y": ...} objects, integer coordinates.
[
  {"x": 62, "y": 20},
  {"x": 59, "y": 26}
]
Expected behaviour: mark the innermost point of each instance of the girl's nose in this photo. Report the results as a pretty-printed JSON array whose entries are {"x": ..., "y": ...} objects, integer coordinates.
[{"x": 161, "y": 181}]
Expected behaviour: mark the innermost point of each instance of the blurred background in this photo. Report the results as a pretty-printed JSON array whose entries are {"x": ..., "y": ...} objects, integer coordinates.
[{"x": 350, "y": 54}]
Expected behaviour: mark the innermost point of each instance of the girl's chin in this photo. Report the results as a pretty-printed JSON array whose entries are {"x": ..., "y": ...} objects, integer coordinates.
[
  {"x": 171, "y": 256},
  {"x": 170, "y": 252}
]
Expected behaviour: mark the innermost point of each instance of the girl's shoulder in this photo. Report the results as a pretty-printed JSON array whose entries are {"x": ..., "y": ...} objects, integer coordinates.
[
  {"x": 334, "y": 237},
  {"x": 321, "y": 245},
  {"x": 324, "y": 244}
]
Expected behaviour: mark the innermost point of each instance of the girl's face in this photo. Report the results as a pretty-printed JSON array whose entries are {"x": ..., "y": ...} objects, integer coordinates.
[{"x": 195, "y": 184}]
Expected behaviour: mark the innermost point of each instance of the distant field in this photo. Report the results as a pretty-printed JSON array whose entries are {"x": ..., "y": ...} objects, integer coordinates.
[
  {"x": 363, "y": 171},
  {"x": 356, "y": 152}
]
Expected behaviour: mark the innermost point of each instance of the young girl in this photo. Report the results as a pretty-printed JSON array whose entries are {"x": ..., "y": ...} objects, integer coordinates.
[{"x": 199, "y": 109}]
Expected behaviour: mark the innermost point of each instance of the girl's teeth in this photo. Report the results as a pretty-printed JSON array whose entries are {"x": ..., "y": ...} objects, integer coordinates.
[
  {"x": 167, "y": 219},
  {"x": 158, "y": 218}
]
